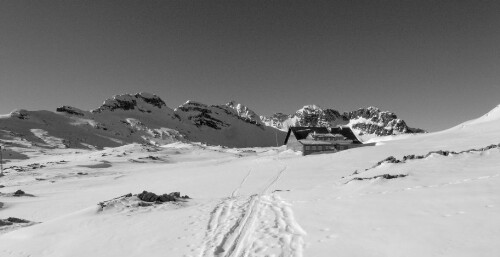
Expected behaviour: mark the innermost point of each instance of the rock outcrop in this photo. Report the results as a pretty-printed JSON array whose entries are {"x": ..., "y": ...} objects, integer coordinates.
[
  {"x": 141, "y": 101},
  {"x": 369, "y": 120}
]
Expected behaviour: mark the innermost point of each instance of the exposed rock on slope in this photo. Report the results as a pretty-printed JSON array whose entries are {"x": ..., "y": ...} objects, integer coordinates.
[
  {"x": 244, "y": 112},
  {"x": 142, "y": 102}
]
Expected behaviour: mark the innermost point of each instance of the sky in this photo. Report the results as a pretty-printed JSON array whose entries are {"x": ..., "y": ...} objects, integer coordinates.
[{"x": 434, "y": 63}]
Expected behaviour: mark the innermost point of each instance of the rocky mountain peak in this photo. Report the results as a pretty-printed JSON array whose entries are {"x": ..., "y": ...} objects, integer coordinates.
[
  {"x": 309, "y": 108},
  {"x": 372, "y": 113},
  {"x": 70, "y": 110},
  {"x": 143, "y": 102},
  {"x": 244, "y": 112}
]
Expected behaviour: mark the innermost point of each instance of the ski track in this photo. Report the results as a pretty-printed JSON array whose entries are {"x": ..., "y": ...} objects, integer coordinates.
[{"x": 249, "y": 226}]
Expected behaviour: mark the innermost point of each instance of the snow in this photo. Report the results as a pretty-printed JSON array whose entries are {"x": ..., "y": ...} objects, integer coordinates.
[
  {"x": 261, "y": 201},
  {"x": 490, "y": 116}
]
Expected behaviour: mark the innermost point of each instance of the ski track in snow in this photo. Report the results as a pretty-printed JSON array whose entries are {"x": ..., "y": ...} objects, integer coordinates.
[{"x": 257, "y": 225}]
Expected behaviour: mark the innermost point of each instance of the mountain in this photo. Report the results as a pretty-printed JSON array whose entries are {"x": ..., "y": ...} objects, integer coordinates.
[
  {"x": 138, "y": 118},
  {"x": 146, "y": 118},
  {"x": 372, "y": 120},
  {"x": 366, "y": 122}
]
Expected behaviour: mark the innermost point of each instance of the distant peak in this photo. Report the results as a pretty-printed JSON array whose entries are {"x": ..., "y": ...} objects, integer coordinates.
[{"x": 312, "y": 106}]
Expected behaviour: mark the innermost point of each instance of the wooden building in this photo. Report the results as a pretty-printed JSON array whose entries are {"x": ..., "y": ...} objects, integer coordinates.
[{"x": 311, "y": 140}]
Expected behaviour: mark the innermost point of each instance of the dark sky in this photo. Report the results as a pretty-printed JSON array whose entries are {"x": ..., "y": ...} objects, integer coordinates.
[{"x": 434, "y": 63}]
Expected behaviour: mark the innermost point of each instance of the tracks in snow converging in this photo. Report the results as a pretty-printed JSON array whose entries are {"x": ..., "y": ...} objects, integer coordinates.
[{"x": 256, "y": 225}]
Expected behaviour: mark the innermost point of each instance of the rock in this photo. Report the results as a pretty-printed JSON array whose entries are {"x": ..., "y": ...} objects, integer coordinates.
[
  {"x": 384, "y": 176},
  {"x": 19, "y": 193},
  {"x": 409, "y": 157},
  {"x": 440, "y": 152},
  {"x": 390, "y": 159},
  {"x": 167, "y": 198},
  {"x": 17, "y": 220},
  {"x": 143, "y": 204},
  {"x": 388, "y": 176},
  {"x": 20, "y": 114},
  {"x": 5, "y": 223},
  {"x": 70, "y": 110},
  {"x": 148, "y": 196},
  {"x": 488, "y": 147},
  {"x": 152, "y": 197}
]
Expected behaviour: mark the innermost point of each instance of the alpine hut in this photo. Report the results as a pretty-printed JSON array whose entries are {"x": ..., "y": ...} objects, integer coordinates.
[{"x": 311, "y": 140}]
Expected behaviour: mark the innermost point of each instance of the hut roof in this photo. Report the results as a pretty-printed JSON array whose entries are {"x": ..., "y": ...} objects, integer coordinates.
[
  {"x": 346, "y": 132},
  {"x": 302, "y": 132}
]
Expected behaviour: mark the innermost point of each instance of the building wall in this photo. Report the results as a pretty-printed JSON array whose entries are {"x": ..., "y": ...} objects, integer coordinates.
[{"x": 309, "y": 149}]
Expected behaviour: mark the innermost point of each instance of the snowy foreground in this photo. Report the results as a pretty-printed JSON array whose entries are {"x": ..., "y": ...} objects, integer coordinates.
[{"x": 262, "y": 201}]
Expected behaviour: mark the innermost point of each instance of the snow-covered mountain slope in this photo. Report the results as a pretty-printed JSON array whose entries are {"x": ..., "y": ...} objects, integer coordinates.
[
  {"x": 139, "y": 118},
  {"x": 262, "y": 201},
  {"x": 222, "y": 125},
  {"x": 366, "y": 122}
]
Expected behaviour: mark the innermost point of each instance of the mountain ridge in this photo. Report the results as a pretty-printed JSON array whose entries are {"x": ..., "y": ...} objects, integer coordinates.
[
  {"x": 369, "y": 121},
  {"x": 137, "y": 118},
  {"x": 146, "y": 118}
]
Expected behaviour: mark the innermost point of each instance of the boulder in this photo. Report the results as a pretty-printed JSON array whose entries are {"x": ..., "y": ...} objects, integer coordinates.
[
  {"x": 148, "y": 196},
  {"x": 19, "y": 193}
]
